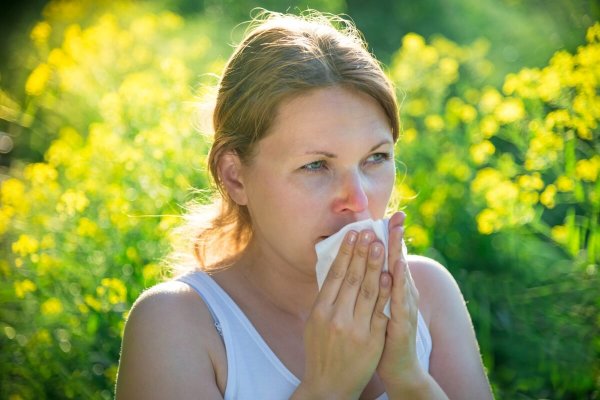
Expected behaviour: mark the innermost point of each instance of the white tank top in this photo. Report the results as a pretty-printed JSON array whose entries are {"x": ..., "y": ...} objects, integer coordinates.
[{"x": 253, "y": 370}]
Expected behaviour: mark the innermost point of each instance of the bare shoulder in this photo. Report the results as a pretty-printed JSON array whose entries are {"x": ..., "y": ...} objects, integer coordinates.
[
  {"x": 170, "y": 347},
  {"x": 455, "y": 361},
  {"x": 435, "y": 284}
]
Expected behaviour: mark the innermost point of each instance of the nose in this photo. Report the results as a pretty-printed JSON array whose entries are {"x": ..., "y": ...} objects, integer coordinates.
[{"x": 352, "y": 195}]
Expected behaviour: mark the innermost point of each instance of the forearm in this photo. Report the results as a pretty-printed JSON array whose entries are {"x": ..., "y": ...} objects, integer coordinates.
[
  {"x": 302, "y": 392},
  {"x": 420, "y": 387}
]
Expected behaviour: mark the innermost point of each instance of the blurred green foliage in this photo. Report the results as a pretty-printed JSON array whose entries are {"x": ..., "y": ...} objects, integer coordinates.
[{"x": 499, "y": 180}]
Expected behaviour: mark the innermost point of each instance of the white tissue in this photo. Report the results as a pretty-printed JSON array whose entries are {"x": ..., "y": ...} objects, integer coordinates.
[{"x": 328, "y": 249}]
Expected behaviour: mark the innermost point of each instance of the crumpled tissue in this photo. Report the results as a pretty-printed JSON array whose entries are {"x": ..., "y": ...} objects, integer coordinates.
[{"x": 327, "y": 249}]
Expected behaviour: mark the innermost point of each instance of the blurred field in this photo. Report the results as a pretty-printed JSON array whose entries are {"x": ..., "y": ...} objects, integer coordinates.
[{"x": 103, "y": 110}]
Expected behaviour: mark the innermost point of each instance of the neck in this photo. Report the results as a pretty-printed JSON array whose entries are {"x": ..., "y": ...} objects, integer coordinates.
[{"x": 288, "y": 287}]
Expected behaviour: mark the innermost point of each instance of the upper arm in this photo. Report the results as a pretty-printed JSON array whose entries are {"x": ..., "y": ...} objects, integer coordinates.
[
  {"x": 165, "y": 352},
  {"x": 455, "y": 361}
]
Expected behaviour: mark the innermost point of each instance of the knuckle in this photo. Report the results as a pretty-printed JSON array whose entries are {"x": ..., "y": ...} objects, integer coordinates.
[
  {"x": 337, "y": 325},
  {"x": 361, "y": 251},
  {"x": 319, "y": 314},
  {"x": 367, "y": 292},
  {"x": 336, "y": 272},
  {"x": 352, "y": 279},
  {"x": 346, "y": 249},
  {"x": 374, "y": 265}
]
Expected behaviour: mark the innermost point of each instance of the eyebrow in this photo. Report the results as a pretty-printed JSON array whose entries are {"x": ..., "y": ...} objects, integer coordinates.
[{"x": 331, "y": 155}]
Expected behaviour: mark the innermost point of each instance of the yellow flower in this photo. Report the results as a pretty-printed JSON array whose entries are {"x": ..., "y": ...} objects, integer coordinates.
[
  {"x": 502, "y": 196},
  {"x": 46, "y": 264},
  {"x": 583, "y": 131},
  {"x": 587, "y": 170},
  {"x": 485, "y": 179},
  {"x": 429, "y": 209},
  {"x": 480, "y": 152},
  {"x": 117, "y": 292},
  {"x": 48, "y": 242},
  {"x": 23, "y": 287},
  {"x": 52, "y": 306},
  {"x": 429, "y": 56},
  {"x": 92, "y": 302},
  {"x": 449, "y": 68},
  {"x": 559, "y": 233},
  {"x": 38, "y": 79},
  {"x": 564, "y": 184},
  {"x": 87, "y": 227},
  {"x": 549, "y": 86},
  {"x": 531, "y": 182},
  {"x": 510, "y": 110},
  {"x": 59, "y": 59},
  {"x": 593, "y": 33},
  {"x": 434, "y": 123},
  {"x": 72, "y": 202},
  {"x": 409, "y": 135},
  {"x": 468, "y": 113},
  {"x": 170, "y": 20},
  {"x": 42, "y": 336},
  {"x": 40, "y": 33},
  {"x": 487, "y": 221},
  {"x": 416, "y": 107},
  {"x": 558, "y": 118},
  {"x": 490, "y": 100},
  {"x": 529, "y": 198},
  {"x": 405, "y": 192},
  {"x": 12, "y": 192},
  {"x": 40, "y": 173},
  {"x": 25, "y": 245},
  {"x": 150, "y": 272},
  {"x": 547, "y": 196},
  {"x": 413, "y": 42},
  {"x": 417, "y": 236},
  {"x": 144, "y": 26},
  {"x": 6, "y": 213}
]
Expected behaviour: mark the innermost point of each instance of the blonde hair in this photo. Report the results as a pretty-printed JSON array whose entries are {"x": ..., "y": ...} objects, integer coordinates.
[{"x": 281, "y": 56}]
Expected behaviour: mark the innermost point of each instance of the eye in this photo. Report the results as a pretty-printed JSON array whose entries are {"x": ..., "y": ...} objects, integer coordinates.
[
  {"x": 378, "y": 158},
  {"x": 314, "y": 166}
]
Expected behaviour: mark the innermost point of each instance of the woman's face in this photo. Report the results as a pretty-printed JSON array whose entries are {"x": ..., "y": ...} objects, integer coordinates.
[{"x": 327, "y": 161}]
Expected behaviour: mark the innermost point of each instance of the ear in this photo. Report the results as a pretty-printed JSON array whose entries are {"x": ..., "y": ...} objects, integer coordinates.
[{"x": 230, "y": 174}]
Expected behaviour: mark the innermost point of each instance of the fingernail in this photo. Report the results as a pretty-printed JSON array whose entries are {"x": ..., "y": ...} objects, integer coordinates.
[
  {"x": 366, "y": 237},
  {"x": 351, "y": 238},
  {"x": 385, "y": 280},
  {"x": 375, "y": 250}
]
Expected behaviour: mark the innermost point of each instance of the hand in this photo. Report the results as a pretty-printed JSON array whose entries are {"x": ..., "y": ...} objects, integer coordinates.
[
  {"x": 345, "y": 333},
  {"x": 399, "y": 363}
]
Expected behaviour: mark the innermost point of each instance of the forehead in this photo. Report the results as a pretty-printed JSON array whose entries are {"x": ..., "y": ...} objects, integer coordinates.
[{"x": 331, "y": 116}]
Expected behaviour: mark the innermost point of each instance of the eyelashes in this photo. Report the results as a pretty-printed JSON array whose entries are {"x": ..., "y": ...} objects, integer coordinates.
[{"x": 321, "y": 165}]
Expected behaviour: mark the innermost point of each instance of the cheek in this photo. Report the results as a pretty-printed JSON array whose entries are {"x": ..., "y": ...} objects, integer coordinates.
[{"x": 381, "y": 188}]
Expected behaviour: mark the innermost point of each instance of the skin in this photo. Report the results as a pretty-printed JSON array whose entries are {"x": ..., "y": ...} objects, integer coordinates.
[{"x": 327, "y": 161}]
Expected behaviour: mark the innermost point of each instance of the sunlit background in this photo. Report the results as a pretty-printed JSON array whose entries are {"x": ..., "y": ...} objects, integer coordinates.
[{"x": 103, "y": 134}]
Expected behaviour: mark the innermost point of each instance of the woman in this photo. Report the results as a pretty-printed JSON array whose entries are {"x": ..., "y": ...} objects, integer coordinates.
[{"x": 305, "y": 125}]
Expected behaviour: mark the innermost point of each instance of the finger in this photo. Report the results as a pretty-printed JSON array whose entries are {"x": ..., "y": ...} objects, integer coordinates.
[
  {"x": 355, "y": 273},
  {"x": 396, "y": 235},
  {"x": 397, "y": 219},
  {"x": 369, "y": 290},
  {"x": 413, "y": 291},
  {"x": 399, "y": 305},
  {"x": 337, "y": 272},
  {"x": 379, "y": 320}
]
